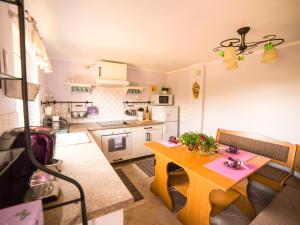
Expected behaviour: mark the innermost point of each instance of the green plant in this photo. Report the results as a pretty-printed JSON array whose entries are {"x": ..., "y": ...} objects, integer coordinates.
[
  {"x": 190, "y": 139},
  {"x": 208, "y": 143},
  {"x": 199, "y": 141}
]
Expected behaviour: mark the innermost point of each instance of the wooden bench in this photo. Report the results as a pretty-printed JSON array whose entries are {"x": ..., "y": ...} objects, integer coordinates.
[
  {"x": 282, "y": 154},
  {"x": 294, "y": 180},
  {"x": 283, "y": 209}
]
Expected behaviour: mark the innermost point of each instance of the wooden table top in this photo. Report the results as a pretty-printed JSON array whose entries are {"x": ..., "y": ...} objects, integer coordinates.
[{"x": 194, "y": 162}]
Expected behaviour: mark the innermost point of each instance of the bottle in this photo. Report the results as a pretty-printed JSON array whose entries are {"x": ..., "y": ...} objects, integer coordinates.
[{"x": 147, "y": 114}]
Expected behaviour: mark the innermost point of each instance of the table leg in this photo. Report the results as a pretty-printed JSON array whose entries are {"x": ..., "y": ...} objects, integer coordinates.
[
  {"x": 197, "y": 208},
  {"x": 159, "y": 186},
  {"x": 243, "y": 202}
]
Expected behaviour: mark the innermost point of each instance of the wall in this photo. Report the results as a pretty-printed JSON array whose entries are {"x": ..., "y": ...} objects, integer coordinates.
[
  {"x": 181, "y": 82},
  {"x": 108, "y": 100},
  {"x": 261, "y": 98},
  {"x": 7, "y": 44},
  {"x": 11, "y": 110}
]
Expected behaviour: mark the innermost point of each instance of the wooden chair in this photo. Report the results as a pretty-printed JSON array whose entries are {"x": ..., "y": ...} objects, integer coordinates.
[{"x": 282, "y": 154}]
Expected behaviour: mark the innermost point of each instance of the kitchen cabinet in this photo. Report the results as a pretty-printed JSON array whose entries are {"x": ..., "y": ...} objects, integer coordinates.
[{"x": 142, "y": 134}]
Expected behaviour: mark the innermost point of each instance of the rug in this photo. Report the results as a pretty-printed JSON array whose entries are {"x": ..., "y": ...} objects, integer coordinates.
[
  {"x": 129, "y": 185},
  {"x": 147, "y": 166}
]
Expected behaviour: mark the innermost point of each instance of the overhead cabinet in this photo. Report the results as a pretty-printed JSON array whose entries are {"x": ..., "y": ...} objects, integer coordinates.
[{"x": 111, "y": 74}]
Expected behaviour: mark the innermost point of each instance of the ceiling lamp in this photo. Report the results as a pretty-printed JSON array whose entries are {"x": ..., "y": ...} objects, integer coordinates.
[
  {"x": 270, "y": 53},
  {"x": 234, "y": 49}
]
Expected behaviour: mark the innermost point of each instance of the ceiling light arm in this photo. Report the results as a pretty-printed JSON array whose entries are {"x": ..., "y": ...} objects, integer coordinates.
[{"x": 245, "y": 48}]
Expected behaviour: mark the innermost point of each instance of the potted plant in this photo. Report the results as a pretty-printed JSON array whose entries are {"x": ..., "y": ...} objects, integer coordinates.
[
  {"x": 165, "y": 90},
  {"x": 207, "y": 144},
  {"x": 190, "y": 140},
  {"x": 199, "y": 142}
]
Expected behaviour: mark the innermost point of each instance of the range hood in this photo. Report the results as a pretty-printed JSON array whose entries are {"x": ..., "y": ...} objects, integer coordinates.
[
  {"x": 110, "y": 74},
  {"x": 104, "y": 73}
]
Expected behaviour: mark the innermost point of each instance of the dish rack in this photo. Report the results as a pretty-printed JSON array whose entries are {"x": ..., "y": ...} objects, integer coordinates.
[{"x": 25, "y": 97}]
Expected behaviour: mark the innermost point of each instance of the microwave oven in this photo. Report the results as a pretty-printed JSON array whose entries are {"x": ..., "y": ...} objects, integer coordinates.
[{"x": 161, "y": 99}]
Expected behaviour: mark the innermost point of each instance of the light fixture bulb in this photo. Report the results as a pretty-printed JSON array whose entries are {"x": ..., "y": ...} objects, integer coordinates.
[
  {"x": 231, "y": 65},
  {"x": 230, "y": 54},
  {"x": 270, "y": 54}
]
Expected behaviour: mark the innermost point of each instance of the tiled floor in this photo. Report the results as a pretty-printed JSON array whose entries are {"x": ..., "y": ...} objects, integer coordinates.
[{"x": 152, "y": 211}]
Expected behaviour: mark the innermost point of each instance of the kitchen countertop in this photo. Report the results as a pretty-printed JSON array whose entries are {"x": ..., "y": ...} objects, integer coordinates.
[
  {"x": 95, "y": 126},
  {"x": 104, "y": 191}
]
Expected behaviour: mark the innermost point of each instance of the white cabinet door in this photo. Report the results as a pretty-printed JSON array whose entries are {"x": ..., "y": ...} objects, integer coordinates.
[
  {"x": 142, "y": 134},
  {"x": 155, "y": 134},
  {"x": 170, "y": 129},
  {"x": 138, "y": 141}
]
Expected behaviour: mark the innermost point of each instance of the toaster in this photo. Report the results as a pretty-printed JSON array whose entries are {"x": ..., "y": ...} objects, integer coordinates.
[{"x": 42, "y": 142}]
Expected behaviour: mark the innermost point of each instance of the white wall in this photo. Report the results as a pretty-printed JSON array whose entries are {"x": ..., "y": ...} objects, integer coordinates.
[
  {"x": 181, "y": 82},
  {"x": 256, "y": 97},
  {"x": 7, "y": 105},
  {"x": 260, "y": 98}
]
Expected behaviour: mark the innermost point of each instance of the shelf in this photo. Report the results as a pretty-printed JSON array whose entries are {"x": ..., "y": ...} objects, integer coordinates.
[
  {"x": 14, "y": 155},
  {"x": 8, "y": 77}
]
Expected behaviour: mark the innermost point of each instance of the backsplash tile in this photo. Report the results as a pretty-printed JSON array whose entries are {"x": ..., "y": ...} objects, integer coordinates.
[{"x": 109, "y": 102}]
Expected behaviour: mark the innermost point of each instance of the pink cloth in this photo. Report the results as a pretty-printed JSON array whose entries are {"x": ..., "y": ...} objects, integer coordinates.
[
  {"x": 234, "y": 174},
  {"x": 169, "y": 144},
  {"x": 30, "y": 213},
  {"x": 242, "y": 155}
]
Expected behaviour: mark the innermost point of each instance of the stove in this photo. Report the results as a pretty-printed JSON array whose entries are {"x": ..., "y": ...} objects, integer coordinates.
[{"x": 112, "y": 123}]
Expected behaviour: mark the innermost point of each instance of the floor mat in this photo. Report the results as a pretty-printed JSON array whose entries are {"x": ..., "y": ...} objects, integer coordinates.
[
  {"x": 131, "y": 188},
  {"x": 147, "y": 166}
]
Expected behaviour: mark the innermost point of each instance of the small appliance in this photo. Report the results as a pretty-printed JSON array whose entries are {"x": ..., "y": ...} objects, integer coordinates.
[
  {"x": 16, "y": 168},
  {"x": 58, "y": 124},
  {"x": 161, "y": 99},
  {"x": 168, "y": 115}
]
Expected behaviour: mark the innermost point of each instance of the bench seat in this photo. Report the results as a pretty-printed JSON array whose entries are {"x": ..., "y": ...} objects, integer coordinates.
[
  {"x": 281, "y": 154},
  {"x": 283, "y": 209},
  {"x": 293, "y": 182},
  {"x": 271, "y": 176}
]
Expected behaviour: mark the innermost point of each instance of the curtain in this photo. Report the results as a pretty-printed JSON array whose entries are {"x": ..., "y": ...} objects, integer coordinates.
[{"x": 36, "y": 48}]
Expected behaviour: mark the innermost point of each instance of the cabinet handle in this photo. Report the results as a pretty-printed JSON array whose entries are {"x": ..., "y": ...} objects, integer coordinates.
[
  {"x": 147, "y": 128},
  {"x": 117, "y": 160},
  {"x": 147, "y": 136}
]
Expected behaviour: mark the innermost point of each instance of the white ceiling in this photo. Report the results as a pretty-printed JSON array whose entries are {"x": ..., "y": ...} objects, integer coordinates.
[{"x": 161, "y": 35}]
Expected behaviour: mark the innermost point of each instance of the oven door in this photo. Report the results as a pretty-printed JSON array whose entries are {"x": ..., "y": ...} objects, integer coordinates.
[{"x": 116, "y": 147}]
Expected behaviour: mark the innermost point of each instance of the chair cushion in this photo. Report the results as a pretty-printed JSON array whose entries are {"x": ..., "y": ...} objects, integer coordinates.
[
  {"x": 270, "y": 150},
  {"x": 283, "y": 209},
  {"x": 272, "y": 173},
  {"x": 293, "y": 182}
]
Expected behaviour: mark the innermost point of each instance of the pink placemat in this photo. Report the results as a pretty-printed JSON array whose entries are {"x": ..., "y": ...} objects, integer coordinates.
[
  {"x": 169, "y": 144},
  {"x": 242, "y": 155},
  {"x": 234, "y": 174}
]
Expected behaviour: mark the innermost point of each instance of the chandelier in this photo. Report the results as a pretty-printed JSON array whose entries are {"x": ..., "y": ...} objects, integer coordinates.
[{"x": 235, "y": 49}]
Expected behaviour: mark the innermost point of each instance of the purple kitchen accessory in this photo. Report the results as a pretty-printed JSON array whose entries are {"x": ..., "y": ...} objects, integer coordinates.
[
  {"x": 30, "y": 213},
  {"x": 42, "y": 143},
  {"x": 219, "y": 167},
  {"x": 92, "y": 110}
]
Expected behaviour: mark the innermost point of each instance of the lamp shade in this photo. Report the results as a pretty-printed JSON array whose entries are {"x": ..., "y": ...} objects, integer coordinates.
[
  {"x": 270, "y": 55},
  {"x": 231, "y": 65},
  {"x": 229, "y": 54}
]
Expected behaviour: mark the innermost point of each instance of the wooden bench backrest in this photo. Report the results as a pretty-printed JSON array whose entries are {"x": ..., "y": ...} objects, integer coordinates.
[
  {"x": 280, "y": 152},
  {"x": 297, "y": 159}
]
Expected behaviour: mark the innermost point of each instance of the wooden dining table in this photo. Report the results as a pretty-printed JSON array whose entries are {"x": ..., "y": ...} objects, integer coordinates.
[{"x": 202, "y": 182}]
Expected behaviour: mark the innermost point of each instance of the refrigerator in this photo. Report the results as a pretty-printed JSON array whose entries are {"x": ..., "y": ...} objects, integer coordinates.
[{"x": 168, "y": 115}]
